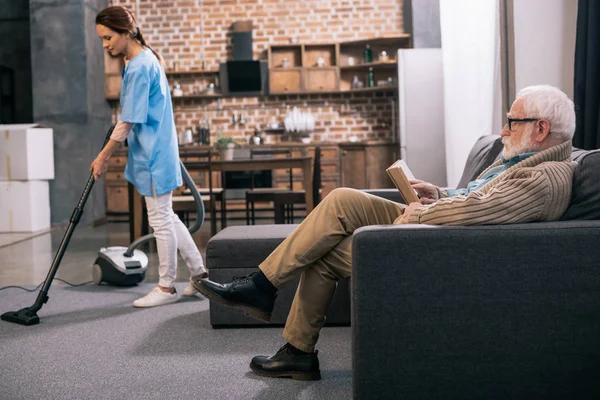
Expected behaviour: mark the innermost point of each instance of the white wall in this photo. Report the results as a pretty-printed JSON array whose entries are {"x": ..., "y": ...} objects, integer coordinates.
[
  {"x": 472, "y": 92},
  {"x": 545, "y": 43},
  {"x": 421, "y": 113}
]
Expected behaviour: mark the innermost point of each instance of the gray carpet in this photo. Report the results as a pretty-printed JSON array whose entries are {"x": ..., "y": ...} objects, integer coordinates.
[{"x": 92, "y": 344}]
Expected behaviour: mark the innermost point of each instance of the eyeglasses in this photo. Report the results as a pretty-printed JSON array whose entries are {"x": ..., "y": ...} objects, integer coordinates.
[{"x": 511, "y": 120}]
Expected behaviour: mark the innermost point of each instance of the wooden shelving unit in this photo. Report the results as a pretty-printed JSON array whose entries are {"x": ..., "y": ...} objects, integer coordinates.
[
  {"x": 324, "y": 67},
  {"x": 290, "y": 53}
]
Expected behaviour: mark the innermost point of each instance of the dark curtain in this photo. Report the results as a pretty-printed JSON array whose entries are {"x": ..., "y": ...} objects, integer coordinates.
[{"x": 587, "y": 75}]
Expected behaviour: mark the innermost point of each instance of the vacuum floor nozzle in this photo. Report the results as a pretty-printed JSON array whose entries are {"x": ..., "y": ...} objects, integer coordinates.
[{"x": 25, "y": 316}]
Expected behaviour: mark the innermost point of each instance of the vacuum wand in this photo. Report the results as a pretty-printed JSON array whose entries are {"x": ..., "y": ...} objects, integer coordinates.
[{"x": 28, "y": 316}]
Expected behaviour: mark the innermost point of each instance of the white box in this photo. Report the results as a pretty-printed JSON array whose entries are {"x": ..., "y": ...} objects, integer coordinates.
[
  {"x": 24, "y": 206},
  {"x": 26, "y": 152}
]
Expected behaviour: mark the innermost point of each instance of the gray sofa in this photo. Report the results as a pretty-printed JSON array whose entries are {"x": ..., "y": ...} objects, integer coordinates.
[{"x": 490, "y": 312}]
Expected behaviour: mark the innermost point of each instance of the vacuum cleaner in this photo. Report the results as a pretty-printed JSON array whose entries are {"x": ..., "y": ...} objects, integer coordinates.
[
  {"x": 126, "y": 266},
  {"x": 28, "y": 316}
]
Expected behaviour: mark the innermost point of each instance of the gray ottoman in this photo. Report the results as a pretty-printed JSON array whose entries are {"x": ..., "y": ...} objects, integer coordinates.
[{"x": 237, "y": 251}]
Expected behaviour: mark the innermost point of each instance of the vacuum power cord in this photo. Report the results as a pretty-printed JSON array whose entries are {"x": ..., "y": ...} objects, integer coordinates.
[{"x": 38, "y": 286}]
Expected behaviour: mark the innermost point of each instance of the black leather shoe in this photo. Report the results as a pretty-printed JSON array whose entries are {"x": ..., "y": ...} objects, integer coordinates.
[
  {"x": 241, "y": 293},
  {"x": 285, "y": 364}
]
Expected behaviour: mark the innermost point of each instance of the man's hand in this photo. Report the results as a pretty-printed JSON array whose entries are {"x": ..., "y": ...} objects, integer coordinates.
[
  {"x": 407, "y": 212},
  {"x": 99, "y": 166},
  {"x": 427, "y": 192}
]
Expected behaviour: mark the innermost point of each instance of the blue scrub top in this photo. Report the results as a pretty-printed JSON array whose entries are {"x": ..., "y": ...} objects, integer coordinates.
[{"x": 153, "y": 158}]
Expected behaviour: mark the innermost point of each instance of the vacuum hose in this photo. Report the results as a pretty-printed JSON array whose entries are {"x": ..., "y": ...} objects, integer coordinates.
[{"x": 199, "y": 212}]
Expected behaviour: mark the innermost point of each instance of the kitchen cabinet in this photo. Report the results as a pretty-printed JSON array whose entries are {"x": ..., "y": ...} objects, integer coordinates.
[
  {"x": 363, "y": 165},
  {"x": 321, "y": 79},
  {"x": 288, "y": 80},
  {"x": 115, "y": 185}
]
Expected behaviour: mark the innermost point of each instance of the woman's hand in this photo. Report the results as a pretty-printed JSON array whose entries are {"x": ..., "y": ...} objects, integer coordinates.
[
  {"x": 427, "y": 192},
  {"x": 99, "y": 166}
]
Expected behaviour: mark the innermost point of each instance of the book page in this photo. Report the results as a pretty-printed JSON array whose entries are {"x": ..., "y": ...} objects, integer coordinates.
[
  {"x": 406, "y": 170},
  {"x": 402, "y": 165}
]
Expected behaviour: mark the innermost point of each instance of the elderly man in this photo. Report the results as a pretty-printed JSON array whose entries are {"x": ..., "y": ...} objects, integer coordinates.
[{"x": 532, "y": 182}]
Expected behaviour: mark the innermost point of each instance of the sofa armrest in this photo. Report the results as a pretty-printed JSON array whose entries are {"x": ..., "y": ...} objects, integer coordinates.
[
  {"x": 389, "y": 194},
  {"x": 476, "y": 312}
]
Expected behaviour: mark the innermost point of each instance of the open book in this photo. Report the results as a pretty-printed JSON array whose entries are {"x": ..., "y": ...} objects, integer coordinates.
[{"x": 400, "y": 174}]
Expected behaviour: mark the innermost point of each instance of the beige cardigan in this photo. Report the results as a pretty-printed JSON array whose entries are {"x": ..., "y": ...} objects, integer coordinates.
[{"x": 535, "y": 189}]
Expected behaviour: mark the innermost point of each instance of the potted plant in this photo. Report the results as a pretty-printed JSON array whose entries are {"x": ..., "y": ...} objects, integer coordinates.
[{"x": 225, "y": 145}]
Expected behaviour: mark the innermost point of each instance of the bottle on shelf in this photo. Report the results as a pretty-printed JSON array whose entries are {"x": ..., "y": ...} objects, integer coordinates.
[
  {"x": 370, "y": 78},
  {"x": 368, "y": 54},
  {"x": 188, "y": 136},
  {"x": 203, "y": 133},
  {"x": 356, "y": 83},
  {"x": 255, "y": 138},
  {"x": 207, "y": 133},
  {"x": 200, "y": 132}
]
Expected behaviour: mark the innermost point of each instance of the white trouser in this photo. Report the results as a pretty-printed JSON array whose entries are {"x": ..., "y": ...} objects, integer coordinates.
[{"x": 171, "y": 234}]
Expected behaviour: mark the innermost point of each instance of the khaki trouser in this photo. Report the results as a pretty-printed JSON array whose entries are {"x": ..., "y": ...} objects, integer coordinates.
[{"x": 320, "y": 249}]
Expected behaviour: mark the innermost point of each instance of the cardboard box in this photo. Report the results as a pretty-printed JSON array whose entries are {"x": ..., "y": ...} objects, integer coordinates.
[
  {"x": 24, "y": 206},
  {"x": 26, "y": 152}
]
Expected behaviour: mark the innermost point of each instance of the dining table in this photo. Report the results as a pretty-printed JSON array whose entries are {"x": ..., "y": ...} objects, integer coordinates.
[{"x": 137, "y": 225}]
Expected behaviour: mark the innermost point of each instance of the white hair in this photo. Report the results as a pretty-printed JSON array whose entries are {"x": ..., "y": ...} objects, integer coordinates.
[{"x": 548, "y": 102}]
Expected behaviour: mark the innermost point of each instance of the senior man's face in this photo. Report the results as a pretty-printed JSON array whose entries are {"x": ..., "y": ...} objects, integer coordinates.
[{"x": 517, "y": 138}]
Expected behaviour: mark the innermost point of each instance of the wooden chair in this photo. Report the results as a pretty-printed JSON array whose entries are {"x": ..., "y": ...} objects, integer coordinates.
[
  {"x": 263, "y": 194},
  {"x": 284, "y": 200},
  {"x": 287, "y": 199}
]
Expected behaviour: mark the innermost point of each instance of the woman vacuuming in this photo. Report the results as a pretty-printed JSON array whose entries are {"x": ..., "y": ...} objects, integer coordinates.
[{"x": 147, "y": 122}]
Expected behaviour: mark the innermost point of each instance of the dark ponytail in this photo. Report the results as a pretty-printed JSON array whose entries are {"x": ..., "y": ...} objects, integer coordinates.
[
  {"x": 121, "y": 20},
  {"x": 143, "y": 42}
]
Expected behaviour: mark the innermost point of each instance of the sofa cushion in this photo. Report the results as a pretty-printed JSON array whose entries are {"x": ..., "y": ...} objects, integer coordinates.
[
  {"x": 485, "y": 151},
  {"x": 237, "y": 251},
  {"x": 245, "y": 246},
  {"x": 585, "y": 200}
]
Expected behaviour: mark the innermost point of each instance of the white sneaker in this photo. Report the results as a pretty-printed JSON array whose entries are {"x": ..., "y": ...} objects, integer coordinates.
[
  {"x": 156, "y": 297},
  {"x": 190, "y": 290}
]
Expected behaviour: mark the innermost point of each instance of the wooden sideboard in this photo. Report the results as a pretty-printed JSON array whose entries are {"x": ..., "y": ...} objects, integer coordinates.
[
  {"x": 363, "y": 164},
  {"x": 357, "y": 165}
]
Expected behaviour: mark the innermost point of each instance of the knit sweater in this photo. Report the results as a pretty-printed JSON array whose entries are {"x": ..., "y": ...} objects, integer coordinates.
[{"x": 535, "y": 189}]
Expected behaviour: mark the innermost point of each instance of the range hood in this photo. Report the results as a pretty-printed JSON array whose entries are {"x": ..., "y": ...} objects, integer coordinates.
[{"x": 243, "y": 76}]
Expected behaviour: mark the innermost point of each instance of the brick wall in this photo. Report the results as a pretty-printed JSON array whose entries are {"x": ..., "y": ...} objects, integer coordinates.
[{"x": 174, "y": 29}]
